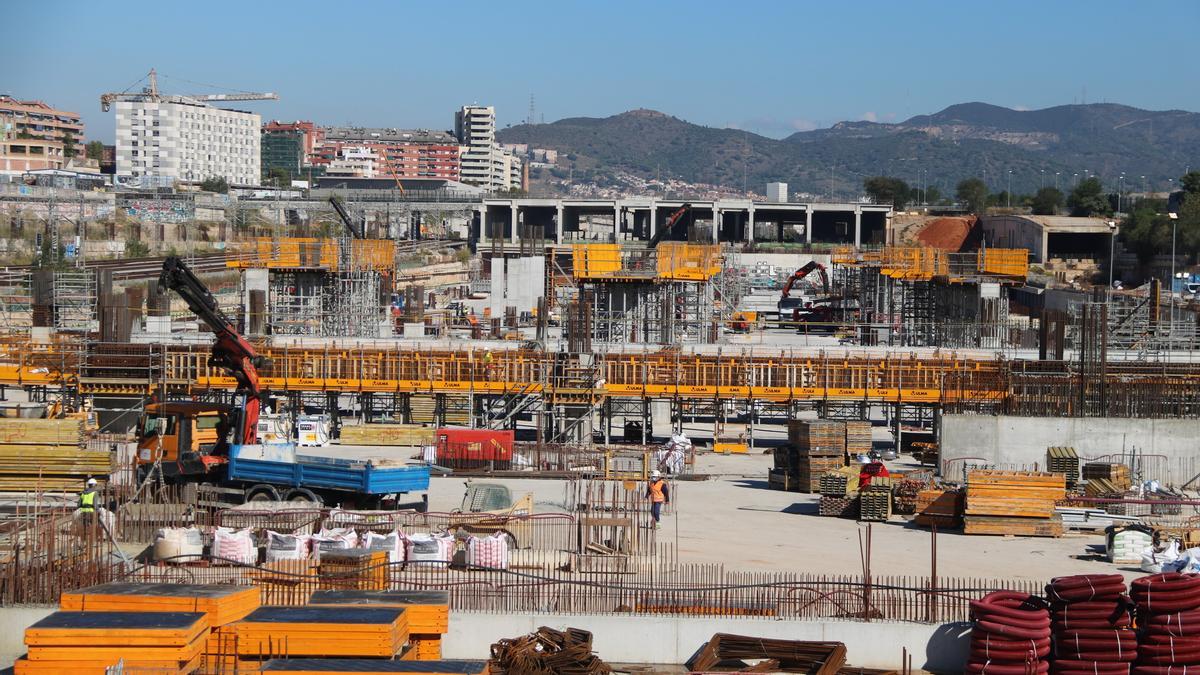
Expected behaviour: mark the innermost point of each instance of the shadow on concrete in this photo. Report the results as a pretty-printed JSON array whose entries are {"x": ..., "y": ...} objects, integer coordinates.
[
  {"x": 752, "y": 483},
  {"x": 801, "y": 508},
  {"x": 948, "y": 648}
]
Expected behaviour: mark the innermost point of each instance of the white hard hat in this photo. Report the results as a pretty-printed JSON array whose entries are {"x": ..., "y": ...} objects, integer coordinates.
[
  {"x": 655, "y": 474},
  {"x": 91, "y": 482}
]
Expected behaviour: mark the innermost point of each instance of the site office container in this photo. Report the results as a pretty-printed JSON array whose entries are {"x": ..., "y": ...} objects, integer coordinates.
[{"x": 459, "y": 447}]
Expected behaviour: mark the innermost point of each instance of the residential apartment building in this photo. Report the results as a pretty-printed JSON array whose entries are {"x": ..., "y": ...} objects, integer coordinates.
[
  {"x": 289, "y": 146},
  {"x": 484, "y": 162},
  {"x": 387, "y": 153},
  {"x": 187, "y": 141},
  {"x": 32, "y": 135}
]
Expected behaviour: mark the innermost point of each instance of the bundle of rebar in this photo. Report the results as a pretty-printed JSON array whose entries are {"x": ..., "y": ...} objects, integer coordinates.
[
  {"x": 548, "y": 652},
  {"x": 905, "y": 494},
  {"x": 793, "y": 656}
]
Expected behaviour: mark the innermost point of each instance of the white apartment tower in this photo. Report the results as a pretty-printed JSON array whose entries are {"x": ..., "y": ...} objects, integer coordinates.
[
  {"x": 475, "y": 127},
  {"x": 187, "y": 142}
]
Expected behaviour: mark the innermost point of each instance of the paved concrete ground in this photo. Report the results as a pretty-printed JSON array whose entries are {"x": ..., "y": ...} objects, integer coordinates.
[{"x": 734, "y": 519}]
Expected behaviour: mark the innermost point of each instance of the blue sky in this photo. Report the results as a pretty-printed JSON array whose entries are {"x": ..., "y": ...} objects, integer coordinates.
[{"x": 770, "y": 67}]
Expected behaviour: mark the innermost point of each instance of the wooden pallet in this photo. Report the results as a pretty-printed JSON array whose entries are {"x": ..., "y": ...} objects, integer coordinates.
[
  {"x": 388, "y": 434},
  {"x": 1024, "y": 494},
  {"x": 845, "y": 506},
  {"x": 1012, "y": 526},
  {"x": 778, "y": 479},
  {"x": 858, "y": 437},
  {"x": 818, "y": 437}
]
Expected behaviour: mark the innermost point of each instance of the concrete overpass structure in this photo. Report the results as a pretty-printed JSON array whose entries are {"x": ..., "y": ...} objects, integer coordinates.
[{"x": 566, "y": 221}]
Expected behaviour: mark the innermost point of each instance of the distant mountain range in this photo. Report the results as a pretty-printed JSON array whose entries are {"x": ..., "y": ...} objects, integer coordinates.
[{"x": 964, "y": 140}]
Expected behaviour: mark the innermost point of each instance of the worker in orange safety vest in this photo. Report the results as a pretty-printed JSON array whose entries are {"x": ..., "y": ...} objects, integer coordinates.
[{"x": 658, "y": 493}]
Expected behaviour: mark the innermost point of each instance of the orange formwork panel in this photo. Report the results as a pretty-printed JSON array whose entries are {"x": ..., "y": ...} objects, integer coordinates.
[
  {"x": 423, "y": 648},
  {"x": 24, "y": 666},
  {"x": 322, "y": 631},
  {"x": 312, "y": 253},
  {"x": 428, "y": 612},
  {"x": 222, "y": 603},
  {"x": 357, "y": 666}
]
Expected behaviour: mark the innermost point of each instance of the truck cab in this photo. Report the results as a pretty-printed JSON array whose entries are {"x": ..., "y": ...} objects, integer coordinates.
[{"x": 187, "y": 436}]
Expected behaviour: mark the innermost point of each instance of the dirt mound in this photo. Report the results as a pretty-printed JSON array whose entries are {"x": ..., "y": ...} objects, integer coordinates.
[{"x": 948, "y": 234}]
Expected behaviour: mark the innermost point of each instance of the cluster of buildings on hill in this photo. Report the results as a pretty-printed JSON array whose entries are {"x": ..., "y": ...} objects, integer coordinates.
[{"x": 174, "y": 140}]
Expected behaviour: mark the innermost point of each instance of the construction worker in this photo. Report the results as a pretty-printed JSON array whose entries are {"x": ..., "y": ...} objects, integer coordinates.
[
  {"x": 487, "y": 363},
  {"x": 87, "y": 499},
  {"x": 658, "y": 493}
]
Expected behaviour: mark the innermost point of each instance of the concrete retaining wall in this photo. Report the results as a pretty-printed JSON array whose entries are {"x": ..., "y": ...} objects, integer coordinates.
[
  {"x": 1166, "y": 449},
  {"x": 13, "y": 622},
  {"x": 673, "y": 640}
]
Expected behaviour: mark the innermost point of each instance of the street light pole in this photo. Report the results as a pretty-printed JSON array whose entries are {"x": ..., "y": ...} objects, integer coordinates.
[
  {"x": 1112, "y": 248},
  {"x": 1174, "y": 220},
  {"x": 1010, "y": 188}
]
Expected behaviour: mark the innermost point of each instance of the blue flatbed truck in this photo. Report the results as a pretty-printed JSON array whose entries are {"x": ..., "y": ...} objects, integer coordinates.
[{"x": 333, "y": 474}]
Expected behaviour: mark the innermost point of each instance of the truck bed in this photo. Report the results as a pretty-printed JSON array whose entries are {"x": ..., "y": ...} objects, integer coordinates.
[{"x": 365, "y": 470}]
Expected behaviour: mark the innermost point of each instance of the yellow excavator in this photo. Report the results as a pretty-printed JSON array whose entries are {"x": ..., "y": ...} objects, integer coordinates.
[{"x": 488, "y": 508}]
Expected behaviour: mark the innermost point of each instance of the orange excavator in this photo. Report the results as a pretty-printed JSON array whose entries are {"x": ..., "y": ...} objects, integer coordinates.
[{"x": 786, "y": 301}]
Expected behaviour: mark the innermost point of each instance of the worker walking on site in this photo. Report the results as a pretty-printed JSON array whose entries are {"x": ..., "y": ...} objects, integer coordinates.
[
  {"x": 487, "y": 364},
  {"x": 658, "y": 493},
  {"x": 87, "y": 501}
]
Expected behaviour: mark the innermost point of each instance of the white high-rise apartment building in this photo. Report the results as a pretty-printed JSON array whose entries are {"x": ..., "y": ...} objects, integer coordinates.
[
  {"x": 187, "y": 142},
  {"x": 481, "y": 160}
]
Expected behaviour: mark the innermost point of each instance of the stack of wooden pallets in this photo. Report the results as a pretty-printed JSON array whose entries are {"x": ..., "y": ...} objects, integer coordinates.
[
  {"x": 84, "y": 643},
  {"x": 322, "y": 631},
  {"x": 858, "y": 437},
  {"x": 1116, "y": 475},
  {"x": 820, "y": 447},
  {"x": 1065, "y": 461},
  {"x": 938, "y": 507},
  {"x": 428, "y": 614},
  {"x": 1014, "y": 503},
  {"x": 354, "y": 569},
  {"x": 40, "y": 454}
]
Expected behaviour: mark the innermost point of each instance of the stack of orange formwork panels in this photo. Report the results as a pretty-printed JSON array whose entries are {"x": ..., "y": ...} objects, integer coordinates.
[
  {"x": 428, "y": 615},
  {"x": 87, "y": 643},
  {"x": 322, "y": 631},
  {"x": 222, "y": 606}
]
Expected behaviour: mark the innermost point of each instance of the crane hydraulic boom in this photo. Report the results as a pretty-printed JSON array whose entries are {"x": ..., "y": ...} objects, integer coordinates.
[
  {"x": 345, "y": 216},
  {"x": 672, "y": 221},
  {"x": 799, "y": 274},
  {"x": 231, "y": 351}
]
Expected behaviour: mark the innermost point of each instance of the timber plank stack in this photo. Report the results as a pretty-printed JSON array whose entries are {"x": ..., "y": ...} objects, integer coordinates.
[
  {"x": 939, "y": 508},
  {"x": 1065, "y": 461},
  {"x": 387, "y": 434},
  {"x": 875, "y": 502},
  {"x": 1116, "y": 474},
  {"x": 48, "y": 454},
  {"x": 84, "y": 643},
  {"x": 428, "y": 615},
  {"x": 1013, "y": 503},
  {"x": 820, "y": 447}
]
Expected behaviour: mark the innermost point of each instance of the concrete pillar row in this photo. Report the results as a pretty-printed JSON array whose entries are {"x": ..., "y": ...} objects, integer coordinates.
[
  {"x": 616, "y": 236},
  {"x": 653, "y": 218}
]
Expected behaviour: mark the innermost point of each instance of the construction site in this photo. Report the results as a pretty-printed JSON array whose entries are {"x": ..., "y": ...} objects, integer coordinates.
[{"x": 507, "y": 453}]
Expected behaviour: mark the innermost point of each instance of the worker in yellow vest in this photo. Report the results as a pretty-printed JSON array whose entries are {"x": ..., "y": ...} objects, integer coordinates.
[
  {"x": 87, "y": 499},
  {"x": 658, "y": 493}
]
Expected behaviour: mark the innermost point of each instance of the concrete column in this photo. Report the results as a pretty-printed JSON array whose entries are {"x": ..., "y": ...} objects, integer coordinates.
[
  {"x": 558, "y": 224},
  {"x": 515, "y": 213},
  {"x": 857, "y": 226},
  {"x": 808, "y": 213},
  {"x": 750, "y": 226},
  {"x": 653, "y": 218},
  {"x": 1042, "y": 255},
  {"x": 616, "y": 221},
  {"x": 483, "y": 224},
  {"x": 716, "y": 229}
]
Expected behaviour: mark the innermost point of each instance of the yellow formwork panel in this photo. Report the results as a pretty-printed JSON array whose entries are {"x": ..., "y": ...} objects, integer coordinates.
[
  {"x": 1006, "y": 262},
  {"x": 313, "y": 253},
  {"x": 679, "y": 261},
  {"x": 590, "y": 261}
]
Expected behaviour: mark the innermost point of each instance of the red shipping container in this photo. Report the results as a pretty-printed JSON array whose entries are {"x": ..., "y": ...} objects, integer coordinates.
[{"x": 474, "y": 445}]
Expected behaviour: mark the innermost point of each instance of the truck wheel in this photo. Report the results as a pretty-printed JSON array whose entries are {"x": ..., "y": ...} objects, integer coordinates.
[
  {"x": 262, "y": 493},
  {"x": 301, "y": 495}
]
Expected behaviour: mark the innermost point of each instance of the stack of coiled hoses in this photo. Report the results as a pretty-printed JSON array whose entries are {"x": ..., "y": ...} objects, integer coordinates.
[
  {"x": 1168, "y": 613},
  {"x": 1091, "y": 623},
  {"x": 1011, "y": 635}
]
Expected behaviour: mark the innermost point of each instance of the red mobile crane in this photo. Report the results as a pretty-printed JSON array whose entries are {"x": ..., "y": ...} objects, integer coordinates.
[
  {"x": 666, "y": 229},
  {"x": 231, "y": 351},
  {"x": 793, "y": 306}
]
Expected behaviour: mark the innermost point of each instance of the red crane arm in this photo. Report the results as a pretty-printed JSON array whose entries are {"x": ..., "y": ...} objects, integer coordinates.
[{"x": 803, "y": 272}]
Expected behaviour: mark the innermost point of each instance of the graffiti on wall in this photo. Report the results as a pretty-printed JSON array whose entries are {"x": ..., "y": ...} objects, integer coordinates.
[{"x": 160, "y": 210}]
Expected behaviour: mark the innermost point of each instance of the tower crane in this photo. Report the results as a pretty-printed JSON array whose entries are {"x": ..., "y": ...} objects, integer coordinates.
[{"x": 150, "y": 93}]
